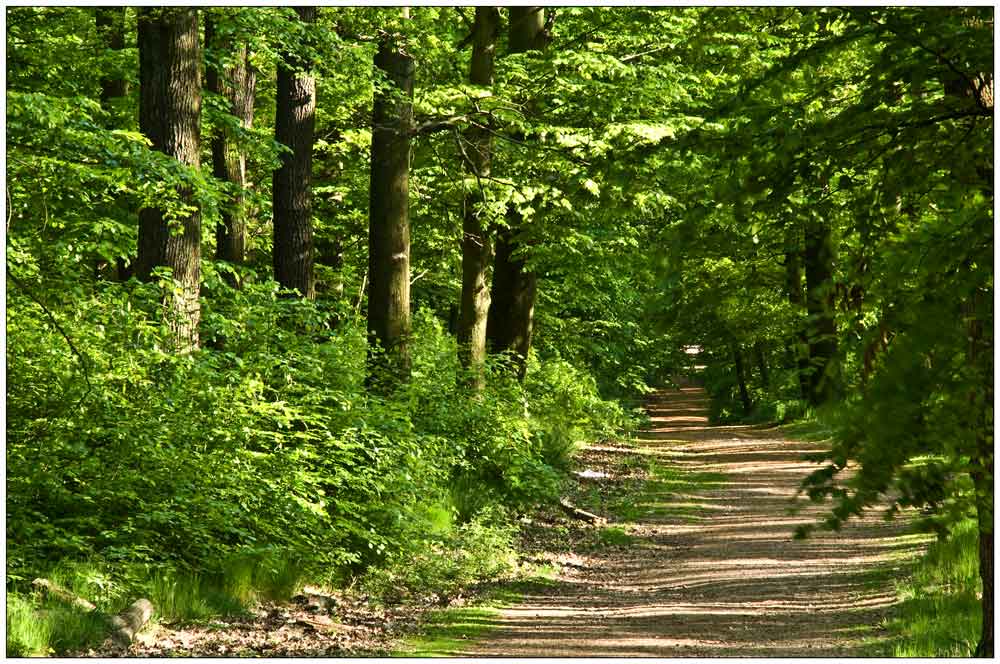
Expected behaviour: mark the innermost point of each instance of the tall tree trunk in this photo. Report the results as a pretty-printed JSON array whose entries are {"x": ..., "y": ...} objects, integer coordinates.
[
  {"x": 477, "y": 246},
  {"x": 820, "y": 305},
  {"x": 765, "y": 374},
  {"x": 295, "y": 118},
  {"x": 169, "y": 115},
  {"x": 236, "y": 83},
  {"x": 798, "y": 343},
  {"x": 981, "y": 466},
  {"x": 110, "y": 22},
  {"x": 389, "y": 220},
  {"x": 512, "y": 300},
  {"x": 513, "y": 294},
  {"x": 741, "y": 378}
]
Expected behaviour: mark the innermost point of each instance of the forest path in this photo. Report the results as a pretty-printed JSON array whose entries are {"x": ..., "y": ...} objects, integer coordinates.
[{"x": 715, "y": 572}]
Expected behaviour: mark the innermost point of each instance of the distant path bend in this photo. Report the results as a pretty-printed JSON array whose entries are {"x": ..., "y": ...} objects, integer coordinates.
[{"x": 716, "y": 574}]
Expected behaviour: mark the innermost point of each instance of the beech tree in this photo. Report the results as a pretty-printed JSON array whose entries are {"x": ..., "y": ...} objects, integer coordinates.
[
  {"x": 389, "y": 208},
  {"x": 230, "y": 74},
  {"x": 512, "y": 296},
  {"x": 170, "y": 117},
  {"x": 110, "y": 23},
  {"x": 294, "y": 124},
  {"x": 477, "y": 243}
]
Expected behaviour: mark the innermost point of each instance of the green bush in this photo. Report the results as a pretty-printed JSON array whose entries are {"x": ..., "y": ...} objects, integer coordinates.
[
  {"x": 478, "y": 550},
  {"x": 264, "y": 441}
]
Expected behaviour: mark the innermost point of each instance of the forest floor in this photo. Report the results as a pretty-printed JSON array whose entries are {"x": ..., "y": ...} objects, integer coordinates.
[
  {"x": 702, "y": 562},
  {"x": 697, "y": 560}
]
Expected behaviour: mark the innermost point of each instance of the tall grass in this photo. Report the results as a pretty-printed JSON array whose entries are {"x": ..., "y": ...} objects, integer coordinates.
[
  {"x": 38, "y": 625},
  {"x": 940, "y": 614}
]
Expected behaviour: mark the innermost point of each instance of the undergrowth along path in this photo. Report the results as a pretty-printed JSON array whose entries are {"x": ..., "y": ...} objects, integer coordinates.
[{"x": 714, "y": 571}]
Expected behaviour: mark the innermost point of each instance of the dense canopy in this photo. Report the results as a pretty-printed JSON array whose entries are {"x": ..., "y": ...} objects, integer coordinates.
[{"x": 294, "y": 283}]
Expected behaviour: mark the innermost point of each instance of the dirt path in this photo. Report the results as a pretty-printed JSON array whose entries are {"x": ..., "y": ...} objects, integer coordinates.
[{"x": 716, "y": 573}]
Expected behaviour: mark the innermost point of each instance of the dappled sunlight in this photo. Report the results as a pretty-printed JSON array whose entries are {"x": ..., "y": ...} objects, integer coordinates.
[{"x": 714, "y": 569}]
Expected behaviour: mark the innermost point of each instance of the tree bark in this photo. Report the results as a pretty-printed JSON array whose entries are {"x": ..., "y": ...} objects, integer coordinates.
[
  {"x": 510, "y": 320},
  {"x": 389, "y": 221},
  {"x": 765, "y": 374},
  {"x": 798, "y": 343},
  {"x": 822, "y": 327},
  {"x": 511, "y": 316},
  {"x": 477, "y": 245},
  {"x": 741, "y": 378},
  {"x": 236, "y": 83},
  {"x": 294, "y": 122},
  {"x": 110, "y": 22},
  {"x": 981, "y": 466},
  {"x": 170, "y": 116}
]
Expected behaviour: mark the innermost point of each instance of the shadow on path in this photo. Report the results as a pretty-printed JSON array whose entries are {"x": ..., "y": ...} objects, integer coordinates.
[{"x": 716, "y": 573}]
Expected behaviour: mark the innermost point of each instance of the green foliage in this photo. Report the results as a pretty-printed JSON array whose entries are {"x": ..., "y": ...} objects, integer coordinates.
[
  {"x": 27, "y": 634},
  {"x": 614, "y": 536},
  {"x": 458, "y": 556},
  {"x": 668, "y": 164},
  {"x": 939, "y": 614}
]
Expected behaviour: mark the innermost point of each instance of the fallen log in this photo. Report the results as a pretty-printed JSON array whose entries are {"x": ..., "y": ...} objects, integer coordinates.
[
  {"x": 131, "y": 620},
  {"x": 66, "y": 596},
  {"x": 583, "y": 515},
  {"x": 124, "y": 626}
]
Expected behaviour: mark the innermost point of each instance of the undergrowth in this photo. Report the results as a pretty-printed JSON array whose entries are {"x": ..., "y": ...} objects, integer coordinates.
[
  {"x": 209, "y": 481},
  {"x": 939, "y": 613}
]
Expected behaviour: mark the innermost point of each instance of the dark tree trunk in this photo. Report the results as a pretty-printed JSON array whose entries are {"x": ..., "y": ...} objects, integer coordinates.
[
  {"x": 512, "y": 301},
  {"x": 236, "y": 84},
  {"x": 110, "y": 22},
  {"x": 295, "y": 117},
  {"x": 741, "y": 379},
  {"x": 820, "y": 305},
  {"x": 984, "y": 488},
  {"x": 477, "y": 246},
  {"x": 389, "y": 221},
  {"x": 169, "y": 115},
  {"x": 511, "y": 318},
  {"x": 798, "y": 344},
  {"x": 765, "y": 374},
  {"x": 981, "y": 362}
]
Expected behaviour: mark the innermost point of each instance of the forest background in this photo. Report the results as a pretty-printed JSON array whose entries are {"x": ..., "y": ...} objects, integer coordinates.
[{"x": 334, "y": 293}]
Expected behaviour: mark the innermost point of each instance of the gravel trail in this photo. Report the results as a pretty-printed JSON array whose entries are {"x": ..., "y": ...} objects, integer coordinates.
[{"x": 716, "y": 573}]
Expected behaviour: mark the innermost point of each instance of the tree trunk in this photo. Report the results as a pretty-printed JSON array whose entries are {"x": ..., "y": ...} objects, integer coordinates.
[
  {"x": 820, "y": 305},
  {"x": 110, "y": 22},
  {"x": 512, "y": 302},
  {"x": 741, "y": 378},
  {"x": 798, "y": 344},
  {"x": 765, "y": 374},
  {"x": 981, "y": 466},
  {"x": 389, "y": 221},
  {"x": 477, "y": 246},
  {"x": 511, "y": 318},
  {"x": 295, "y": 117},
  {"x": 236, "y": 84},
  {"x": 984, "y": 487},
  {"x": 169, "y": 115}
]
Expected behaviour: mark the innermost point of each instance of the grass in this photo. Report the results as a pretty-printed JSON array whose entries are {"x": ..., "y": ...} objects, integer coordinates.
[
  {"x": 38, "y": 625},
  {"x": 614, "y": 536},
  {"x": 447, "y": 632},
  {"x": 809, "y": 430},
  {"x": 939, "y": 614},
  {"x": 669, "y": 493}
]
